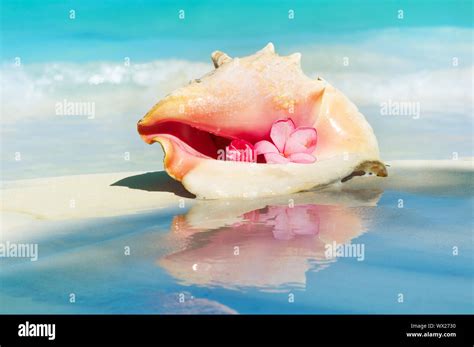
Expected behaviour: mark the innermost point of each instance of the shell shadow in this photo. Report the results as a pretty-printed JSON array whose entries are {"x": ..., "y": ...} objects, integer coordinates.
[{"x": 158, "y": 181}]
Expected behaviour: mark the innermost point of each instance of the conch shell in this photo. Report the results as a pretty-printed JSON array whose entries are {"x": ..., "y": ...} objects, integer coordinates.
[{"x": 241, "y": 99}]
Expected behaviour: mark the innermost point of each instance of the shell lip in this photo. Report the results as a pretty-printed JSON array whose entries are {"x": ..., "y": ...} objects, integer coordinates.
[{"x": 194, "y": 140}]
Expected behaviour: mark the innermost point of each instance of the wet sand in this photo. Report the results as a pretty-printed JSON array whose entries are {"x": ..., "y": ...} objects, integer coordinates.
[{"x": 81, "y": 197}]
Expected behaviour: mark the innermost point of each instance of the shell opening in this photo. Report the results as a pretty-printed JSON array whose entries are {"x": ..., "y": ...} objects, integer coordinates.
[
  {"x": 283, "y": 143},
  {"x": 193, "y": 140}
]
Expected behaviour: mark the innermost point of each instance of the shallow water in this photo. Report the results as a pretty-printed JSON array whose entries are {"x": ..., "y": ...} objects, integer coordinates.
[{"x": 266, "y": 256}]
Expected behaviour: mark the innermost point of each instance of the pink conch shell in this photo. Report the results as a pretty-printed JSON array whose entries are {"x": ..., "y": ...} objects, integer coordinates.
[{"x": 241, "y": 99}]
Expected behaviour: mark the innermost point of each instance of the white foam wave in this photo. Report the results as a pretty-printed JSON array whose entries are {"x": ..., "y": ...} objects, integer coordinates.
[
  {"x": 447, "y": 91},
  {"x": 372, "y": 77},
  {"x": 32, "y": 91}
]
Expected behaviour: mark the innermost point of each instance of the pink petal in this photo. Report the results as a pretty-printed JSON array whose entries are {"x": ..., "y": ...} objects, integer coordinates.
[
  {"x": 280, "y": 133},
  {"x": 240, "y": 150},
  {"x": 263, "y": 147},
  {"x": 240, "y": 144},
  {"x": 302, "y": 140},
  {"x": 301, "y": 221},
  {"x": 279, "y": 221},
  {"x": 303, "y": 158},
  {"x": 275, "y": 158}
]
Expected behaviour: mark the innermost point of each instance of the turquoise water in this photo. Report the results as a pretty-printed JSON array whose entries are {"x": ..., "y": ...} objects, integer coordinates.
[
  {"x": 185, "y": 261},
  {"x": 43, "y": 31},
  {"x": 179, "y": 255}
]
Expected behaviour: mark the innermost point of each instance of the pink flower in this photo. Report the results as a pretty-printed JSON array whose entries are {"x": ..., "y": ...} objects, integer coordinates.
[
  {"x": 240, "y": 150},
  {"x": 286, "y": 222},
  {"x": 290, "y": 144}
]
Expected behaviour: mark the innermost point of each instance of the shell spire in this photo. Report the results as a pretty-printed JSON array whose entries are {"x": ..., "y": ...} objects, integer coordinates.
[
  {"x": 219, "y": 58},
  {"x": 295, "y": 58},
  {"x": 268, "y": 49}
]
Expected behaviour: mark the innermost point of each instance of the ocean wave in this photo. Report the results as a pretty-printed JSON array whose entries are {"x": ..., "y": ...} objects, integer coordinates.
[
  {"x": 119, "y": 89},
  {"x": 32, "y": 91},
  {"x": 444, "y": 91}
]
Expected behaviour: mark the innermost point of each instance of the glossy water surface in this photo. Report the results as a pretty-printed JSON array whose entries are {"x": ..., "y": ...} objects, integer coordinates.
[{"x": 266, "y": 256}]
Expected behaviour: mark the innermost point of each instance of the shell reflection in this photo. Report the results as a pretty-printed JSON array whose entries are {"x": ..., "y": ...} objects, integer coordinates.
[{"x": 269, "y": 243}]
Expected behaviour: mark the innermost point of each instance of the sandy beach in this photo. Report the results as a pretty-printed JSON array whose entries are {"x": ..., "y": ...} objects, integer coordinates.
[
  {"x": 81, "y": 197},
  {"x": 86, "y": 196},
  {"x": 83, "y": 224}
]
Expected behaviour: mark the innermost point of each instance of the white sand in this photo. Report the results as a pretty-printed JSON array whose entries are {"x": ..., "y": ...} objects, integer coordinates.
[
  {"x": 80, "y": 197},
  {"x": 87, "y": 196}
]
